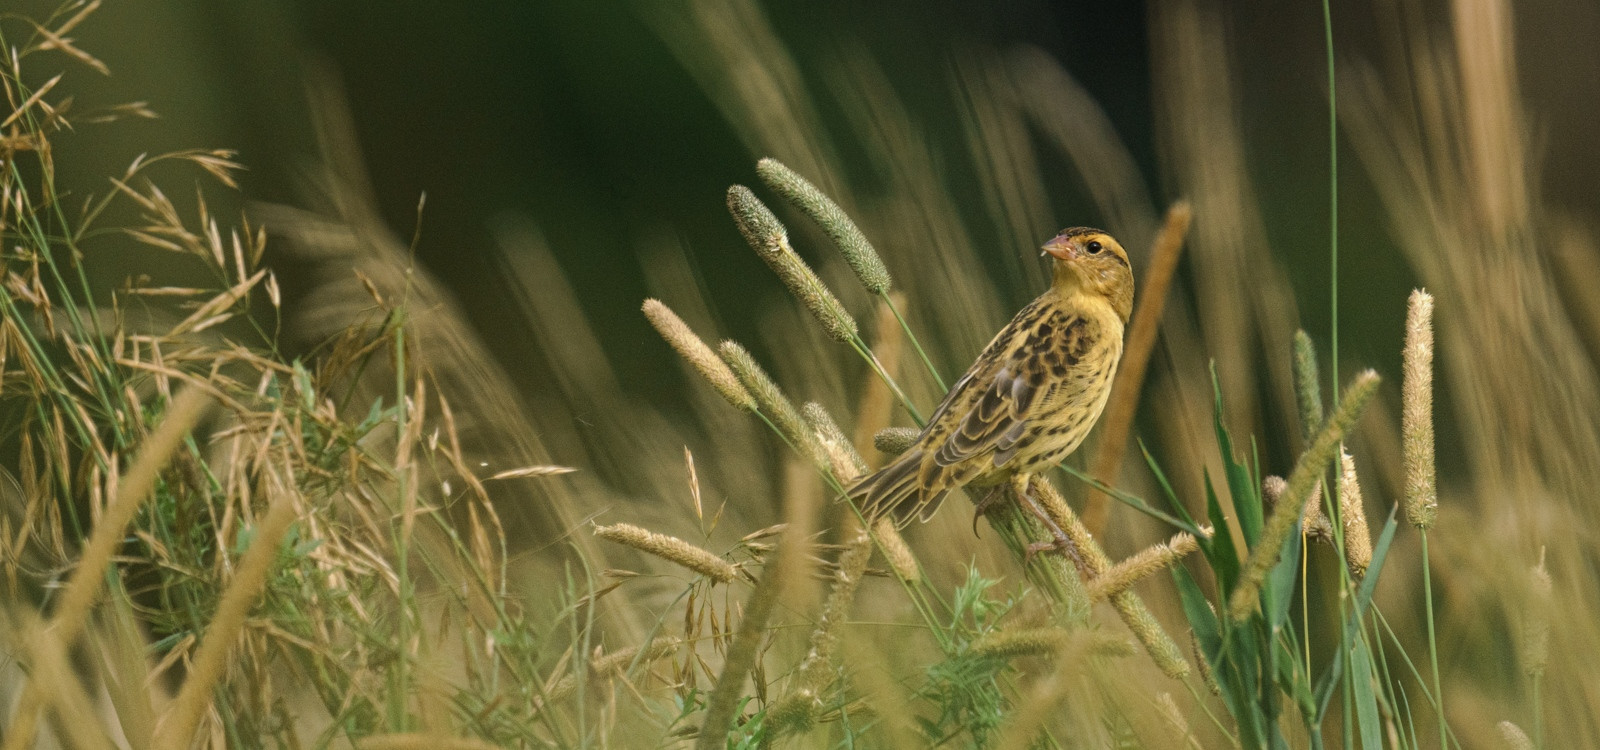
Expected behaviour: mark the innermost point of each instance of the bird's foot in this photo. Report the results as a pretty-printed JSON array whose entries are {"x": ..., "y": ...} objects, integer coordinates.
[
  {"x": 981, "y": 508},
  {"x": 1060, "y": 542}
]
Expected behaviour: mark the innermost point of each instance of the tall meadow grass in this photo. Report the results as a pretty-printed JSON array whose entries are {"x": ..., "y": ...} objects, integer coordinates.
[{"x": 252, "y": 512}]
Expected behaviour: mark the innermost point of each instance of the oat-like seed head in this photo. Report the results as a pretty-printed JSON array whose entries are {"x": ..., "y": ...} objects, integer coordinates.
[{"x": 669, "y": 548}]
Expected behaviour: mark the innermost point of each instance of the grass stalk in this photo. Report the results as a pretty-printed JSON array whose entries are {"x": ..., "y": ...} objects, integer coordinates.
[
  {"x": 1130, "y": 607},
  {"x": 916, "y": 344},
  {"x": 1280, "y": 524},
  {"x": 741, "y": 658},
  {"x": 1117, "y": 422},
  {"x": 1433, "y": 641},
  {"x": 1333, "y": 205},
  {"x": 1417, "y": 454}
]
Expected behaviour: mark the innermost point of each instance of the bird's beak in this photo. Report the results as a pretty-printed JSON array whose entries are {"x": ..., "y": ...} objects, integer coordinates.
[{"x": 1059, "y": 247}]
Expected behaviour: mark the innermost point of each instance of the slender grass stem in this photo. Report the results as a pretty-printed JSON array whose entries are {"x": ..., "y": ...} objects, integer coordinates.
[
  {"x": 1433, "y": 646},
  {"x": 1305, "y": 605},
  {"x": 1205, "y": 706},
  {"x": 1422, "y": 681},
  {"x": 1333, "y": 205},
  {"x": 877, "y": 367},
  {"x": 915, "y": 344},
  {"x": 1538, "y": 716}
]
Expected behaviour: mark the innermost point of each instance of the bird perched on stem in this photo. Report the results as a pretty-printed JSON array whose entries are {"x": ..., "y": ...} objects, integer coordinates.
[{"x": 1032, "y": 395}]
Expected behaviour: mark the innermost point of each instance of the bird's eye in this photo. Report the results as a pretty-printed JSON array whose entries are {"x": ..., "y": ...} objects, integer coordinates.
[{"x": 1094, "y": 248}]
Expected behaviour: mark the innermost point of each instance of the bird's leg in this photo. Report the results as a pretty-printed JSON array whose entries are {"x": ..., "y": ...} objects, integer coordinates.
[
  {"x": 989, "y": 500},
  {"x": 1061, "y": 543}
]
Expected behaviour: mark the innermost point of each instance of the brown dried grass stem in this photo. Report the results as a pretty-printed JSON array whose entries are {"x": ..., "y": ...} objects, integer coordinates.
[
  {"x": 876, "y": 406},
  {"x": 1118, "y": 419},
  {"x": 88, "y": 578}
]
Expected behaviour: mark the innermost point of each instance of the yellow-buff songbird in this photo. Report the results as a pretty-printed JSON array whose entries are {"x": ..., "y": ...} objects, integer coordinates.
[{"x": 1034, "y": 392}]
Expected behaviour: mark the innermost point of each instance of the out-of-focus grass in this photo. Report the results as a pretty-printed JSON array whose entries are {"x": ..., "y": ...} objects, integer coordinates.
[{"x": 327, "y": 558}]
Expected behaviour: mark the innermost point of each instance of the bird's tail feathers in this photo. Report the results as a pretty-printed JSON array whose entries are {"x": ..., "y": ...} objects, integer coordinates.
[{"x": 898, "y": 489}]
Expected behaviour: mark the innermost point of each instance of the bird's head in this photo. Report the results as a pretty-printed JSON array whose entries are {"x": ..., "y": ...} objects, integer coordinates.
[{"x": 1095, "y": 262}]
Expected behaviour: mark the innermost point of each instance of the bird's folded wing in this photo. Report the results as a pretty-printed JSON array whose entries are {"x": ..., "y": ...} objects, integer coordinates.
[{"x": 1018, "y": 389}]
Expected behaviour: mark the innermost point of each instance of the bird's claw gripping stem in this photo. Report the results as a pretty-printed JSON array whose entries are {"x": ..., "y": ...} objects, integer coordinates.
[{"x": 1061, "y": 541}]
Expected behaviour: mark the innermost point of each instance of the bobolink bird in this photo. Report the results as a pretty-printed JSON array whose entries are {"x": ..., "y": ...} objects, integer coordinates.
[{"x": 1032, "y": 395}]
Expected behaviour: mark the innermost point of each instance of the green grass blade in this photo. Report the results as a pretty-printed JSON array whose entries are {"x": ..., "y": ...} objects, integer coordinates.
[
  {"x": 1278, "y": 593},
  {"x": 1224, "y": 557},
  {"x": 1380, "y": 550},
  {"x": 1367, "y": 720},
  {"x": 1246, "y": 499},
  {"x": 1137, "y": 503},
  {"x": 1166, "y": 486}
]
